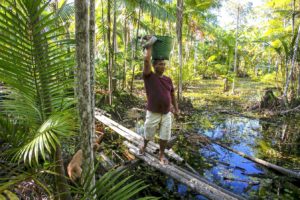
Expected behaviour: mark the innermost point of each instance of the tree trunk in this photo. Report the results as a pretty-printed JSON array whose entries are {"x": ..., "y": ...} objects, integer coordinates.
[
  {"x": 298, "y": 86},
  {"x": 179, "y": 14},
  {"x": 92, "y": 38},
  {"x": 293, "y": 18},
  {"x": 92, "y": 60},
  {"x": 102, "y": 20},
  {"x": 132, "y": 79},
  {"x": 62, "y": 187},
  {"x": 137, "y": 33},
  {"x": 292, "y": 68},
  {"x": 134, "y": 53},
  {"x": 110, "y": 88},
  {"x": 84, "y": 89},
  {"x": 114, "y": 48},
  {"x": 125, "y": 54},
  {"x": 236, "y": 49}
]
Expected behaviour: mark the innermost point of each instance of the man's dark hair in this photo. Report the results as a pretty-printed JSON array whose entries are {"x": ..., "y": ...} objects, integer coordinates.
[{"x": 154, "y": 62}]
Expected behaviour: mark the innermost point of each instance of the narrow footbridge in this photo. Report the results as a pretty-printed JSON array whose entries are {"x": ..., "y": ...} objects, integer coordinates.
[{"x": 188, "y": 176}]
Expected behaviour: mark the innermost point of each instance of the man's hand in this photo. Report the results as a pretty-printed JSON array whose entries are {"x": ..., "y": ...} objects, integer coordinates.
[
  {"x": 147, "y": 37},
  {"x": 176, "y": 113},
  {"x": 150, "y": 41}
]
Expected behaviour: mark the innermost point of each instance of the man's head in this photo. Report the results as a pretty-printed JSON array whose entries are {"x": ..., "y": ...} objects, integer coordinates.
[{"x": 159, "y": 66}]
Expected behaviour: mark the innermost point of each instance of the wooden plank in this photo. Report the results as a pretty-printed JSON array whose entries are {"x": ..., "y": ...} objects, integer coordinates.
[
  {"x": 134, "y": 137},
  {"x": 195, "y": 182}
]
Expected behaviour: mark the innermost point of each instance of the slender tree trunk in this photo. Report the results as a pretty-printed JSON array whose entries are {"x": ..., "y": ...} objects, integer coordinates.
[
  {"x": 137, "y": 33},
  {"x": 132, "y": 79},
  {"x": 135, "y": 52},
  {"x": 92, "y": 44},
  {"x": 298, "y": 86},
  {"x": 293, "y": 18},
  {"x": 84, "y": 89},
  {"x": 132, "y": 58},
  {"x": 125, "y": 54},
  {"x": 102, "y": 20},
  {"x": 104, "y": 40},
  {"x": 286, "y": 69},
  {"x": 92, "y": 38},
  {"x": 114, "y": 48},
  {"x": 236, "y": 49},
  {"x": 110, "y": 88},
  {"x": 179, "y": 14},
  {"x": 62, "y": 187},
  {"x": 293, "y": 66}
]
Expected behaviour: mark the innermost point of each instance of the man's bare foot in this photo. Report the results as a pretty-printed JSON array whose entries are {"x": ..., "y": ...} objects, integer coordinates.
[
  {"x": 163, "y": 160},
  {"x": 142, "y": 150}
]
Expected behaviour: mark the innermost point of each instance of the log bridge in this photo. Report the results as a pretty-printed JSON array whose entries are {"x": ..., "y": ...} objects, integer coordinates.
[{"x": 191, "y": 179}]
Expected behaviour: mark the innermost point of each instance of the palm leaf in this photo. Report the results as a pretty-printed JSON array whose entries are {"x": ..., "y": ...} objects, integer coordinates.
[
  {"x": 66, "y": 12},
  {"x": 36, "y": 68},
  {"x": 151, "y": 7},
  {"x": 45, "y": 138},
  {"x": 112, "y": 186}
]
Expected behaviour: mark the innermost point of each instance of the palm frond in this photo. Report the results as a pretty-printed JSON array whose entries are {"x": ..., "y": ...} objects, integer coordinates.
[
  {"x": 113, "y": 186},
  {"x": 36, "y": 67},
  {"x": 10, "y": 195},
  {"x": 66, "y": 12},
  {"x": 45, "y": 138},
  {"x": 151, "y": 7}
]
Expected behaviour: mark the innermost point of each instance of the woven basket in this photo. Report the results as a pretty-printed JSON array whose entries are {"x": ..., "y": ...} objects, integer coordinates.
[{"x": 162, "y": 47}]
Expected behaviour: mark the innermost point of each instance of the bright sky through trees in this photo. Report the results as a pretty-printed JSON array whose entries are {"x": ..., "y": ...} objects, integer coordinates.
[{"x": 226, "y": 15}]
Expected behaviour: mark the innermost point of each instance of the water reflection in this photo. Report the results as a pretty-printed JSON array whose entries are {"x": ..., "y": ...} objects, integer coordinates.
[{"x": 262, "y": 140}]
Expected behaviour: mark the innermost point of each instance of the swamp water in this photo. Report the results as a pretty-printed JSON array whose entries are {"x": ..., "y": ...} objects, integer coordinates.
[{"x": 277, "y": 142}]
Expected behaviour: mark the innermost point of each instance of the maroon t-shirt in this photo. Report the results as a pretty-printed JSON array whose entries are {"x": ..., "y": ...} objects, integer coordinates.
[{"x": 158, "y": 90}]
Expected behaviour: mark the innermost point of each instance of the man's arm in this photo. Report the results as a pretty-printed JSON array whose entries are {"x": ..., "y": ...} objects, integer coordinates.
[
  {"x": 174, "y": 103},
  {"x": 147, "y": 61}
]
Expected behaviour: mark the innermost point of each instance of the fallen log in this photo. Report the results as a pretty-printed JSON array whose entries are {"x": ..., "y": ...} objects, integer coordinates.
[
  {"x": 282, "y": 170},
  {"x": 264, "y": 163},
  {"x": 194, "y": 181},
  {"x": 284, "y": 112},
  {"x": 241, "y": 180},
  {"x": 134, "y": 137}
]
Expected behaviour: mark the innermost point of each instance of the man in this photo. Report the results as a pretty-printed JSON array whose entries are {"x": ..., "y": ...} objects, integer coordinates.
[{"x": 160, "y": 96}]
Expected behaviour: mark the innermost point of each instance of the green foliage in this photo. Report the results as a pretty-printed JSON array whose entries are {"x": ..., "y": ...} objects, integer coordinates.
[
  {"x": 36, "y": 69},
  {"x": 271, "y": 78},
  {"x": 112, "y": 186}
]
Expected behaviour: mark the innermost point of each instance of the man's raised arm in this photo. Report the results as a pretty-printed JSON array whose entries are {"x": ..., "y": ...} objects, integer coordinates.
[{"x": 147, "y": 61}]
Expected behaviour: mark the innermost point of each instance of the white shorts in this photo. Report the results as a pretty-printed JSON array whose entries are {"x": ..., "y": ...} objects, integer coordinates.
[{"x": 154, "y": 121}]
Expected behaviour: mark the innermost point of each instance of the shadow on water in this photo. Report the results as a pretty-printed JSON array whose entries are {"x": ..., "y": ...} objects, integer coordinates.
[{"x": 276, "y": 142}]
